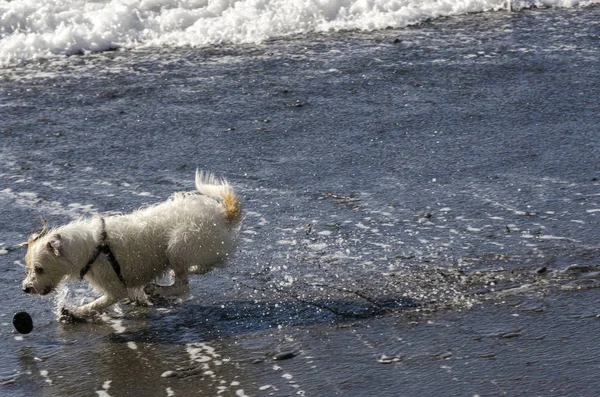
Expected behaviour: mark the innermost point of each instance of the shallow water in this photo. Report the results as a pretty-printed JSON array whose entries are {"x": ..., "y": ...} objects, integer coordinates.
[{"x": 414, "y": 199}]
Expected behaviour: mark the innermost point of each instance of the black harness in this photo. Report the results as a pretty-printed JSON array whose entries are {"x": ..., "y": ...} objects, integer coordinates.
[{"x": 103, "y": 248}]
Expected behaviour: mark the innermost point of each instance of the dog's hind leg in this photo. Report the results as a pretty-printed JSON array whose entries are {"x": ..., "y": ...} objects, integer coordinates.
[{"x": 179, "y": 287}]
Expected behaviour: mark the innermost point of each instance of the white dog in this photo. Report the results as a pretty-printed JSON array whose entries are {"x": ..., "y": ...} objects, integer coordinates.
[{"x": 121, "y": 255}]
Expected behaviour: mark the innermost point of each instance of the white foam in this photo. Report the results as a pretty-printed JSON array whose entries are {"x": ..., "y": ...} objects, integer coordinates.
[
  {"x": 318, "y": 246},
  {"x": 550, "y": 237},
  {"x": 132, "y": 345},
  {"x": 287, "y": 242},
  {"x": 287, "y": 281},
  {"x": 117, "y": 325},
  {"x": 44, "y": 375},
  {"x": 201, "y": 352},
  {"x": 28, "y": 195},
  {"x": 105, "y": 387},
  {"x": 381, "y": 245},
  {"x": 32, "y": 29},
  {"x": 31, "y": 200},
  {"x": 361, "y": 226}
]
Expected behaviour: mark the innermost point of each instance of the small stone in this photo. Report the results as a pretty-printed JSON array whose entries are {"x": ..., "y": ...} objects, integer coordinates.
[
  {"x": 508, "y": 335},
  {"x": 169, "y": 374},
  {"x": 388, "y": 359},
  {"x": 575, "y": 268},
  {"x": 284, "y": 356},
  {"x": 542, "y": 270}
]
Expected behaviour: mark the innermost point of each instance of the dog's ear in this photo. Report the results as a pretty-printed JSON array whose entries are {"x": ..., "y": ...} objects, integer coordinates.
[
  {"x": 55, "y": 244},
  {"x": 41, "y": 233}
]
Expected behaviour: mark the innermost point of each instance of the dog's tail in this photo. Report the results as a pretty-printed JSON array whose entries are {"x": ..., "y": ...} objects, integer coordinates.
[{"x": 208, "y": 184}]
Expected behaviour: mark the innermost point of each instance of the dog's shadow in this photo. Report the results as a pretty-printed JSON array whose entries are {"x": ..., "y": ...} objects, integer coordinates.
[{"x": 192, "y": 321}]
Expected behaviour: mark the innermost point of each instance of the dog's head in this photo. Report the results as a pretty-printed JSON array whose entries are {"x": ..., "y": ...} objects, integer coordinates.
[{"x": 44, "y": 262}]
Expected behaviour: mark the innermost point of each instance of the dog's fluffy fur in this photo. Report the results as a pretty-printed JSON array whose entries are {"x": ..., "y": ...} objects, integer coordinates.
[{"x": 190, "y": 230}]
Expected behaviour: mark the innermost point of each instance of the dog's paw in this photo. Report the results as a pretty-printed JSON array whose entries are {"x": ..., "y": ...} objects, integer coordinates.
[
  {"x": 68, "y": 317},
  {"x": 154, "y": 294},
  {"x": 146, "y": 302},
  {"x": 139, "y": 298},
  {"x": 152, "y": 289}
]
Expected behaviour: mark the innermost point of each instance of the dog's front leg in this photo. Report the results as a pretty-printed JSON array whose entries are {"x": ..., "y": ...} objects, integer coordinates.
[{"x": 96, "y": 306}]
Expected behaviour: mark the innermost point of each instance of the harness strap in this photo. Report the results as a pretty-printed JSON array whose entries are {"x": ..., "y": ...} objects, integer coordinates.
[{"x": 103, "y": 248}]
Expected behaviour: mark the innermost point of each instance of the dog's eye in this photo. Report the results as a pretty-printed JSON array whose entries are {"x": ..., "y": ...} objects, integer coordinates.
[{"x": 38, "y": 270}]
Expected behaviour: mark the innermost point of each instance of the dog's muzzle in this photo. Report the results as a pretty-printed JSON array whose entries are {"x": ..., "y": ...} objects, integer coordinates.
[{"x": 29, "y": 290}]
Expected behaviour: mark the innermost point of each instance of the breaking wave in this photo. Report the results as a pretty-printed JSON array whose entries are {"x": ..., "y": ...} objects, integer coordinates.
[{"x": 33, "y": 29}]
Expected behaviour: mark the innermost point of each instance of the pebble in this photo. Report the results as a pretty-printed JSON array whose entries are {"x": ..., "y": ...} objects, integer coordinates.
[
  {"x": 581, "y": 285},
  {"x": 388, "y": 359},
  {"x": 542, "y": 270},
  {"x": 508, "y": 335},
  {"x": 284, "y": 355},
  {"x": 169, "y": 374},
  {"x": 575, "y": 268}
]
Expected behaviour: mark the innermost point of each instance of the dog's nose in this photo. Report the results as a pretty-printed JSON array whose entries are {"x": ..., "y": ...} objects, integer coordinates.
[{"x": 28, "y": 290}]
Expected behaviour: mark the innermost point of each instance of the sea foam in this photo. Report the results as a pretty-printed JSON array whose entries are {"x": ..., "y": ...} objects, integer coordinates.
[{"x": 33, "y": 29}]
